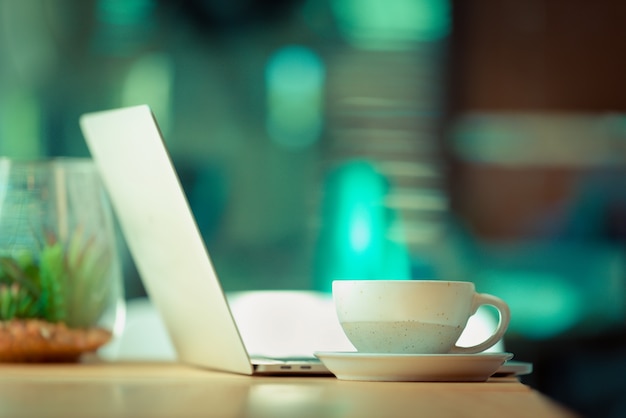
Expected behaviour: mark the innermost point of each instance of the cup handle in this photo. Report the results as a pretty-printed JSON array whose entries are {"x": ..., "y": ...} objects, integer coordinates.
[{"x": 503, "y": 323}]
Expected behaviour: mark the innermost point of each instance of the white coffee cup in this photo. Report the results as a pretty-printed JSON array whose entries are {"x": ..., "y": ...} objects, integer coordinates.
[{"x": 412, "y": 316}]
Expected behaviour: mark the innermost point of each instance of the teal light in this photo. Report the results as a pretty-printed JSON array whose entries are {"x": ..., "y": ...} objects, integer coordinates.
[
  {"x": 360, "y": 230},
  {"x": 124, "y": 12},
  {"x": 295, "y": 78},
  {"x": 354, "y": 238},
  {"x": 125, "y": 26},
  {"x": 361, "y": 191},
  {"x": 542, "y": 304},
  {"x": 392, "y": 23}
]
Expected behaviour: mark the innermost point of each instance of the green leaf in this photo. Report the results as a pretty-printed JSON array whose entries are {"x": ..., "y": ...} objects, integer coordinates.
[
  {"x": 52, "y": 281},
  {"x": 13, "y": 273},
  {"x": 88, "y": 290},
  {"x": 68, "y": 282},
  {"x": 5, "y": 303},
  {"x": 15, "y": 302}
]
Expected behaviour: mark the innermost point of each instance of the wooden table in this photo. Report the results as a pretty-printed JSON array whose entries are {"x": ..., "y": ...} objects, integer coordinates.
[{"x": 175, "y": 390}]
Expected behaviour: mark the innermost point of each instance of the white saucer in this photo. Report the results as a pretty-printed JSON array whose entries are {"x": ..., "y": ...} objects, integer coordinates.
[
  {"x": 413, "y": 367},
  {"x": 514, "y": 368}
]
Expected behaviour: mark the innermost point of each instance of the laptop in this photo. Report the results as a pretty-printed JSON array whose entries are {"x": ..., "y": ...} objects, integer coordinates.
[{"x": 167, "y": 247}]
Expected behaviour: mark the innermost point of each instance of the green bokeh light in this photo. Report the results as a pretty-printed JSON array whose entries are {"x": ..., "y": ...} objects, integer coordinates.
[
  {"x": 389, "y": 23},
  {"x": 124, "y": 12},
  {"x": 20, "y": 125},
  {"x": 295, "y": 78},
  {"x": 542, "y": 304},
  {"x": 354, "y": 239}
]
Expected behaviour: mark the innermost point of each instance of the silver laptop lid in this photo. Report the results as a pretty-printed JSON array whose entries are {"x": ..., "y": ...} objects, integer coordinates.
[{"x": 163, "y": 237}]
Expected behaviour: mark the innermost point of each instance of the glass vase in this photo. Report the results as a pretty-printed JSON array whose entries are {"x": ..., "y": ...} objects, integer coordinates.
[{"x": 61, "y": 290}]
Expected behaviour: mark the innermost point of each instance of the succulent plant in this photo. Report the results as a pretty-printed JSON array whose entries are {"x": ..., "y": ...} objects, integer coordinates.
[{"x": 61, "y": 283}]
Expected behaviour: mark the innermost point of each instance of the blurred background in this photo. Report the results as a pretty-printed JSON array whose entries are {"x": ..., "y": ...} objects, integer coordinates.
[{"x": 480, "y": 140}]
